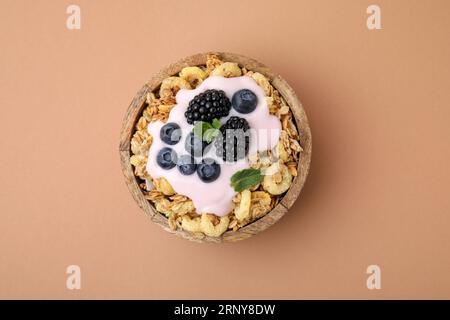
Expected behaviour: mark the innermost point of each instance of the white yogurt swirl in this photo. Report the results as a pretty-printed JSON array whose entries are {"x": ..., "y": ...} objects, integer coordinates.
[{"x": 214, "y": 197}]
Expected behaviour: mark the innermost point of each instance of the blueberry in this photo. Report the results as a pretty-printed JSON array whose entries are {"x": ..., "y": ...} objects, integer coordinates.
[
  {"x": 208, "y": 170},
  {"x": 186, "y": 165},
  {"x": 166, "y": 158},
  {"x": 170, "y": 133},
  {"x": 244, "y": 101},
  {"x": 194, "y": 145}
]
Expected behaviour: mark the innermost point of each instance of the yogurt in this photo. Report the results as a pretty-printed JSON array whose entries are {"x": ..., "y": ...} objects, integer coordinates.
[{"x": 214, "y": 197}]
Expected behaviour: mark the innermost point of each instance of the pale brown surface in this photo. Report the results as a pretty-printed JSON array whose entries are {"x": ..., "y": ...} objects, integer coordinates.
[
  {"x": 377, "y": 193},
  {"x": 134, "y": 113}
]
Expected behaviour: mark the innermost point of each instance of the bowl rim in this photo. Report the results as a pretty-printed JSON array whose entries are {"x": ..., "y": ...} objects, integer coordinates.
[{"x": 134, "y": 112}]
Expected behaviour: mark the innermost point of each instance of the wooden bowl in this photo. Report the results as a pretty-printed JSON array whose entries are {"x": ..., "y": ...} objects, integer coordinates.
[{"x": 134, "y": 112}]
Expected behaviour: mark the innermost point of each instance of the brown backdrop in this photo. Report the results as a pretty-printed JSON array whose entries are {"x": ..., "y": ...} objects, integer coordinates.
[{"x": 377, "y": 193}]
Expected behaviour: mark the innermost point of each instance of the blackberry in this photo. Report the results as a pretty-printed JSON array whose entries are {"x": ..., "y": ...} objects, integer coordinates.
[
  {"x": 208, "y": 105},
  {"x": 233, "y": 142}
]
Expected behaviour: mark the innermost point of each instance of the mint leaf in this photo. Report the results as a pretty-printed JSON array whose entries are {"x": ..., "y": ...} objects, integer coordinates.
[
  {"x": 207, "y": 131},
  {"x": 241, "y": 174},
  {"x": 245, "y": 179},
  {"x": 200, "y": 128},
  {"x": 216, "y": 124},
  {"x": 210, "y": 135}
]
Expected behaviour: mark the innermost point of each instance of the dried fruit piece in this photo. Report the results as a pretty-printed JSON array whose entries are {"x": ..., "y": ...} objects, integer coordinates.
[
  {"x": 281, "y": 152},
  {"x": 163, "y": 186},
  {"x": 212, "y": 62},
  {"x": 242, "y": 212},
  {"x": 262, "y": 81},
  {"x": 193, "y": 75},
  {"x": 170, "y": 86},
  {"x": 227, "y": 70},
  {"x": 292, "y": 167},
  {"x": 163, "y": 205},
  {"x": 139, "y": 162},
  {"x": 141, "y": 142},
  {"x": 191, "y": 224},
  {"x": 260, "y": 204},
  {"x": 277, "y": 179},
  {"x": 208, "y": 227}
]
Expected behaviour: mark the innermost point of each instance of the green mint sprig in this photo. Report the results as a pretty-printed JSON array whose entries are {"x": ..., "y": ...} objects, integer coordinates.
[{"x": 207, "y": 131}]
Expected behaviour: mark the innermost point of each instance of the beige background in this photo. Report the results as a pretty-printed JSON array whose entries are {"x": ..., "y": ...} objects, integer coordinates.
[{"x": 378, "y": 104}]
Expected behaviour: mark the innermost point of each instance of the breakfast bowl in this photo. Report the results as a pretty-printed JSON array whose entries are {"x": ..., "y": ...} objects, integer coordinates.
[{"x": 216, "y": 147}]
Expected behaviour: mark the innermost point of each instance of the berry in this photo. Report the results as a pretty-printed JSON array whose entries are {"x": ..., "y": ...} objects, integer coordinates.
[
  {"x": 208, "y": 170},
  {"x": 244, "y": 101},
  {"x": 194, "y": 145},
  {"x": 170, "y": 133},
  {"x": 186, "y": 165},
  {"x": 208, "y": 105},
  {"x": 233, "y": 142},
  {"x": 166, "y": 158}
]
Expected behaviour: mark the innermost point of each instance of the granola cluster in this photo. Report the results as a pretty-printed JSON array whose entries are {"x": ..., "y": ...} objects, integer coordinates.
[{"x": 280, "y": 165}]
